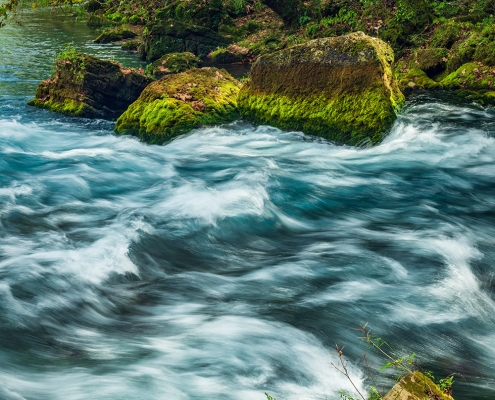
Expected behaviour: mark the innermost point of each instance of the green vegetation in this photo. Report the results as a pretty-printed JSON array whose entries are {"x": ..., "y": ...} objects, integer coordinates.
[
  {"x": 179, "y": 103},
  {"x": 172, "y": 63},
  {"x": 412, "y": 383}
]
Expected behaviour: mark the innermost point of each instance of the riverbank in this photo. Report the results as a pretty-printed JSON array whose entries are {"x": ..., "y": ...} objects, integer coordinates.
[{"x": 437, "y": 45}]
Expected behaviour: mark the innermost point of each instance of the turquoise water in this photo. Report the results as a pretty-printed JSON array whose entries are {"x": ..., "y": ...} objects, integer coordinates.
[{"x": 229, "y": 262}]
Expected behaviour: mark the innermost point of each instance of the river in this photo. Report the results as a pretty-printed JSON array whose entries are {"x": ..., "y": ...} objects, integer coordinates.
[{"x": 229, "y": 262}]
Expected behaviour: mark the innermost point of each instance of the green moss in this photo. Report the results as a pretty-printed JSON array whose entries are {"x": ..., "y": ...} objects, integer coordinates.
[
  {"x": 485, "y": 48},
  {"x": 338, "y": 88},
  {"x": 346, "y": 119},
  {"x": 131, "y": 45},
  {"x": 471, "y": 76},
  {"x": 179, "y": 103},
  {"x": 68, "y": 107},
  {"x": 415, "y": 78},
  {"x": 138, "y": 19},
  {"x": 446, "y": 34},
  {"x": 208, "y": 14},
  {"x": 76, "y": 86},
  {"x": 478, "y": 46},
  {"x": 173, "y": 63}
]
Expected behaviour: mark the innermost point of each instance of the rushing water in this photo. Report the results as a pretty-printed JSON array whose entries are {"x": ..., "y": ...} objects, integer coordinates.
[{"x": 230, "y": 261}]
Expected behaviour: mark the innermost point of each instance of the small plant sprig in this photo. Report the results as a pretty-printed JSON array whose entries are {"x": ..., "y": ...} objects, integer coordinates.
[
  {"x": 445, "y": 384},
  {"x": 76, "y": 60},
  {"x": 343, "y": 370}
]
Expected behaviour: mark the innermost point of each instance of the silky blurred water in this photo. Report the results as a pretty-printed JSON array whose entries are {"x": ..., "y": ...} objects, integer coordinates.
[{"x": 230, "y": 261}]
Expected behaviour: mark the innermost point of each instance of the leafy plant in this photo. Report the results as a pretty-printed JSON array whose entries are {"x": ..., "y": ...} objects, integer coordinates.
[
  {"x": 237, "y": 6},
  {"x": 445, "y": 384},
  {"x": 304, "y": 19},
  {"x": 404, "y": 13}
]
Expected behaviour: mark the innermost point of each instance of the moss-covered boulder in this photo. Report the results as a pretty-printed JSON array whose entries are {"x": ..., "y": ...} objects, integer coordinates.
[
  {"x": 89, "y": 87},
  {"x": 340, "y": 88},
  {"x": 477, "y": 46},
  {"x": 115, "y": 35},
  {"x": 416, "y": 386},
  {"x": 178, "y": 103},
  {"x": 173, "y": 63},
  {"x": 474, "y": 81},
  {"x": 431, "y": 60},
  {"x": 178, "y": 37},
  {"x": 471, "y": 76},
  {"x": 446, "y": 34},
  {"x": 414, "y": 79}
]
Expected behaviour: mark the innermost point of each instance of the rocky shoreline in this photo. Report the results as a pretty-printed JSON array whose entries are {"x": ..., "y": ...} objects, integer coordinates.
[{"x": 300, "y": 94}]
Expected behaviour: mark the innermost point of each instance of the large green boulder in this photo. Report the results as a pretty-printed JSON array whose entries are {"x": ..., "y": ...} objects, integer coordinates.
[
  {"x": 340, "y": 88},
  {"x": 178, "y": 103},
  {"x": 177, "y": 37},
  {"x": 86, "y": 86},
  {"x": 416, "y": 386}
]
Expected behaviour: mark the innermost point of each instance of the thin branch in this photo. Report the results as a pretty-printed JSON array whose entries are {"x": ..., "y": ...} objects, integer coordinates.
[{"x": 345, "y": 371}]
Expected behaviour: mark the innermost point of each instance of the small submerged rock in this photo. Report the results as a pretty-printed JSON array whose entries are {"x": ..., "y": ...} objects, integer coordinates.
[
  {"x": 340, "y": 88},
  {"x": 173, "y": 63},
  {"x": 86, "y": 86},
  {"x": 230, "y": 55},
  {"x": 178, "y": 103},
  {"x": 115, "y": 35}
]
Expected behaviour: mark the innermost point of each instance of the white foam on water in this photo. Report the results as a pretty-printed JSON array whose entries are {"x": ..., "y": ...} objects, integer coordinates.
[
  {"x": 195, "y": 200},
  {"x": 257, "y": 348},
  {"x": 16, "y": 190},
  {"x": 14, "y": 129},
  {"x": 102, "y": 258},
  {"x": 70, "y": 154}
]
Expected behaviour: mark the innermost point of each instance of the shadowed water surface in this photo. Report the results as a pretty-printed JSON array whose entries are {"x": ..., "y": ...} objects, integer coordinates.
[{"x": 230, "y": 262}]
